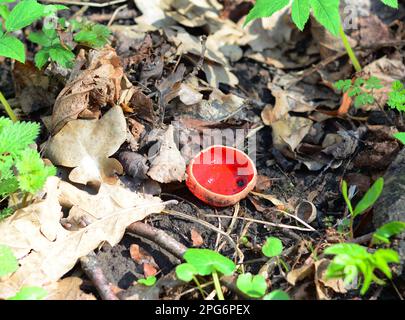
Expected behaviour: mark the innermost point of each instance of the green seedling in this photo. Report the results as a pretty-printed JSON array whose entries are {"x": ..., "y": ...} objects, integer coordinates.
[
  {"x": 400, "y": 136},
  {"x": 396, "y": 97},
  {"x": 326, "y": 12},
  {"x": 272, "y": 248},
  {"x": 352, "y": 260},
  {"x": 204, "y": 262},
  {"x": 388, "y": 230},
  {"x": 22, "y": 170},
  {"x": 360, "y": 89},
  {"x": 277, "y": 295},
  {"x": 254, "y": 286},
  {"x": 8, "y": 265},
  {"x": 149, "y": 281},
  {"x": 365, "y": 203}
]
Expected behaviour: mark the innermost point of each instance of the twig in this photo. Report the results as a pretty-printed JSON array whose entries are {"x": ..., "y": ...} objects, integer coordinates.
[
  {"x": 159, "y": 237},
  {"x": 82, "y": 3},
  {"x": 363, "y": 239},
  {"x": 92, "y": 269},
  {"x": 115, "y": 14}
]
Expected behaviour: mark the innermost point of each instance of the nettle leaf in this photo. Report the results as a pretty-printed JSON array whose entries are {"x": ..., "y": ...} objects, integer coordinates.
[
  {"x": 61, "y": 55},
  {"x": 186, "y": 272},
  {"x": 265, "y": 8},
  {"x": 273, "y": 247},
  {"x": 17, "y": 136},
  {"x": 385, "y": 232},
  {"x": 207, "y": 261},
  {"x": 253, "y": 286},
  {"x": 11, "y": 47},
  {"x": 326, "y": 12},
  {"x": 400, "y": 136},
  {"x": 370, "y": 197},
  {"x": 277, "y": 295},
  {"x": 391, "y": 3},
  {"x": 23, "y": 14},
  {"x": 300, "y": 12},
  {"x": 30, "y": 293},
  {"x": 41, "y": 58},
  {"x": 8, "y": 262}
]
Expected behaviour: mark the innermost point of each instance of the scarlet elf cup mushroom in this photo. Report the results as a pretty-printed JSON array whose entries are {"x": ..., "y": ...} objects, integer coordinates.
[{"x": 221, "y": 176}]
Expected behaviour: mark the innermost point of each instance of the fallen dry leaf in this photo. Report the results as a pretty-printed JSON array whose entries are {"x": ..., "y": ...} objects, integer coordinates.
[
  {"x": 168, "y": 165},
  {"x": 196, "y": 238},
  {"x": 67, "y": 289},
  {"x": 99, "y": 82},
  {"x": 86, "y": 146},
  {"x": 44, "y": 261}
]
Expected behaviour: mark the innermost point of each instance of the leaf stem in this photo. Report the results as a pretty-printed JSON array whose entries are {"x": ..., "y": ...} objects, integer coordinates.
[
  {"x": 217, "y": 286},
  {"x": 199, "y": 286},
  {"x": 349, "y": 50},
  {"x": 7, "y": 107}
]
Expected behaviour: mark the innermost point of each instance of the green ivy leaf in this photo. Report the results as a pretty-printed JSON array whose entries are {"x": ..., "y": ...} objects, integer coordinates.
[
  {"x": 186, "y": 272},
  {"x": 277, "y": 295},
  {"x": 206, "y": 261},
  {"x": 370, "y": 197},
  {"x": 301, "y": 10},
  {"x": 8, "y": 262},
  {"x": 273, "y": 247},
  {"x": 265, "y": 8},
  {"x": 23, "y": 14},
  {"x": 400, "y": 136},
  {"x": 30, "y": 293},
  {"x": 326, "y": 12},
  {"x": 149, "y": 281},
  {"x": 253, "y": 286},
  {"x": 11, "y": 47},
  {"x": 385, "y": 232},
  {"x": 391, "y": 3}
]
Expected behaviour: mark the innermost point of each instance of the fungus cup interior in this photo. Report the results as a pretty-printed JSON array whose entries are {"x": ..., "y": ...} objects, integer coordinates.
[{"x": 223, "y": 170}]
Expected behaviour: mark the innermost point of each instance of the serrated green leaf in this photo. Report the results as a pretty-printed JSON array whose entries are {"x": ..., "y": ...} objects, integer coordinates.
[
  {"x": 373, "y": 83},
  {"x": 8, "y": 262},
  {"x": 253, "y": 286},
  {"x": 40, "y": 38},
  {"x": 11, "y": 47},
  {"x": 273, "y": 247},
  {"x": 265, "y": 8},
  {"x": 326, "y": 12},
  {"x": 61, "y": 56},
  {"x": 23, "y": 14},
  {"x": 93, "y": 35},
  {"x": 343, "y": 85},
  {"x": 391, "y": 3},
  {"x": 385, "y": 232},
  {"x": 17, "y": 137},
  {"x": 206, "y": 261},
  {"x": 41, "y": 58},
  {"x": 5, "y": 213},
  {"x": 8, "y": 186},
  {"x": 300, "y": 12},
  {"x": 370, "y": 197},
  {"x": 30, "y": 293}
]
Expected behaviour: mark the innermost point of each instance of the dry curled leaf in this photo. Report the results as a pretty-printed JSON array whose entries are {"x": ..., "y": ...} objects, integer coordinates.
[
  {"x": 196, "y": 237},
  {"x": 98, "y": 84},
  {"x": 86, "y": 146}
]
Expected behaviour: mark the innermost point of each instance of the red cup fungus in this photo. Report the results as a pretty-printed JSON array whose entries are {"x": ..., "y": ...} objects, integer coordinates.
[{"x": 221, "y": 176}]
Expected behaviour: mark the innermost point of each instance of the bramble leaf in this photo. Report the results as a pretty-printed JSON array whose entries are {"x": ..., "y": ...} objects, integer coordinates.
[
  {"x": 11, "y": 47},
  {"x": 23, "y": 14}
]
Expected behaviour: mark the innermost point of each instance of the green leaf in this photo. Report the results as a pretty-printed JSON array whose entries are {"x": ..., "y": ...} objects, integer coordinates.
[
  {"x": 385, "y": 232},
  {"x": 186, "y": 272},
  {"x": 253, "y": 286},
  {"x": 400, "y": 136},
  {"x": 30, "y": 293},
  {"x": 149, "y": 281},
  {"x": 61, "y": 56},
  {"x": 93, "y": 35},
  {"x": 11, "y": 47},
  {"x": 391, "y": 3},
  {"x": 346, "y": 196},
  {"x": 32, "y": 172},
  {"x": 40, "y": 38},
  {"x": 396, "y": 97},
  {"x": 265, "y": 8},
  {"x": 363, "y": 99},
  {"x": 8, "y": 262},
  {"x": 5, "y": 213},
  {"x": 373, "y": 83},
  {"x": 277, "y": 295},
  {"x": 326, "y": 12},
  {"x": 17, "y": 136},
  {"x": 301, "y": 10},
  {"x": 23, "y": 14},
  {"x": 273, "y": 247},
  {"x": 4, "y": 12},
  {"x": 206, "y": 261},
  {"x": 343, "y": 85},
  {"x": 41, "y": 58},
  {"x": 8, "y": 186},
  {"x": 370, "y": 197}
]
